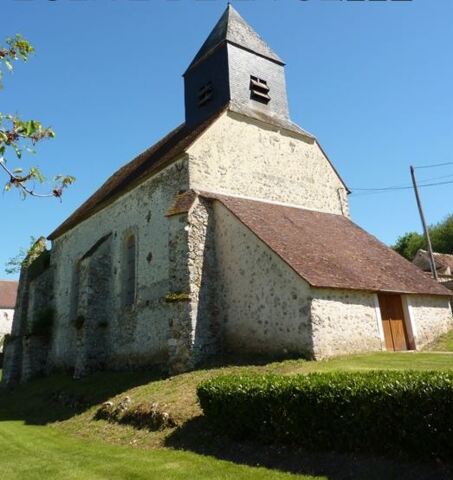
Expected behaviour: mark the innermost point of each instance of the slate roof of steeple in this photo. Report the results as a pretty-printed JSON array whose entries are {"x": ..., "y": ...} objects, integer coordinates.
[{"x": 232, "y": 28}]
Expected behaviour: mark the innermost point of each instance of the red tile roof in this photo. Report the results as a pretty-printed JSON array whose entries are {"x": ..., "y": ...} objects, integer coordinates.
[
  {"x": 443, "y": 260},
  {"x": 329, "y": 251},
  {"x": 8, "y": 294}
]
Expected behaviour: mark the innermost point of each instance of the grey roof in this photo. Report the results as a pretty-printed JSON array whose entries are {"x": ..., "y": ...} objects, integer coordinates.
[{"x": 234, "y": 29}]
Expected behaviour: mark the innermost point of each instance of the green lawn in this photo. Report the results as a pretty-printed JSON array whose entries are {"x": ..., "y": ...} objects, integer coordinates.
[
  {"x": 37, "y": 452},
  {"x": 47, "y": 431}
]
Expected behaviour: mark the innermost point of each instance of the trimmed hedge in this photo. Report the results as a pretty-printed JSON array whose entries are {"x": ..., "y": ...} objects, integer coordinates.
[{"x": 378, "y": 411}]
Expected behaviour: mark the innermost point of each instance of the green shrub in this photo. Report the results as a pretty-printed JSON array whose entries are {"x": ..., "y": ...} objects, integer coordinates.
[{"x": 378, "y": 411}]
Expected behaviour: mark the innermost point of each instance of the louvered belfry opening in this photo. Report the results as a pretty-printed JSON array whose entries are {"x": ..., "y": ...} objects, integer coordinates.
[
  {"x": 259, "y": 90},
  {"x": 205, "y": 94}
]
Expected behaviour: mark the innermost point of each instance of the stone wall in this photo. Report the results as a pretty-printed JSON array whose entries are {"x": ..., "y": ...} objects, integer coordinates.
[
  {"x": 195, "y": 333},
  {"x": 430, "y": 317},
  {"x": 34, "y": 298},
  {"x": 38, "y": 332},
  {"x": 94, "y": 310},
  {"x": 205, "y": 308},
  {"x": 264, "y": 306},
  {"x": 343, "y": 322},
  {"x": 136, "y": 335},
  {"x": 241, "y": 156},
  {"x": 178, "y": 297}
]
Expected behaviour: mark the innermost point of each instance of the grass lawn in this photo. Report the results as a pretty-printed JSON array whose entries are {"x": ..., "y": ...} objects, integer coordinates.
[
  {"x": 47, "y": 430},
  {"x": 37, "y": 452}
]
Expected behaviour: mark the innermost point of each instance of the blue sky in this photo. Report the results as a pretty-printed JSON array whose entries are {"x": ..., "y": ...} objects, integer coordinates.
[{"x": 372, "y": 80}]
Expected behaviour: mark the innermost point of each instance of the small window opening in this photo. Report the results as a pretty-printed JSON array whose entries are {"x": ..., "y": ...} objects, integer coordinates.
[
  {"x": 205, "y": 94},
  {"x": 259, "y": 90},
  {"x": 129, "y": 272}
]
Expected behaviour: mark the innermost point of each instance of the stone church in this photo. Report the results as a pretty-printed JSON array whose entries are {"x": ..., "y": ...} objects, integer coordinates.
[{"x": 230, "y": 235}]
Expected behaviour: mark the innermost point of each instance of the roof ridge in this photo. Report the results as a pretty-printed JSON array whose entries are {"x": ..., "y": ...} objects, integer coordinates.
[{"x": 232, "y": 28}]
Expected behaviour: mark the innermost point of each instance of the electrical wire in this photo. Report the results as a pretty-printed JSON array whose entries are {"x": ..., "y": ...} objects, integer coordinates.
[
  {"x": 434, "y": 165},
  {"x": 372, "y": 191},
  {"x": 435, "y": 178},
  {"x": 421, "y": 184}
]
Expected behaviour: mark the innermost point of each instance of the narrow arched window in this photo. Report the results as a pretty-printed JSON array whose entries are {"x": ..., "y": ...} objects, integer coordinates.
[{"x": 129, "y": 275}]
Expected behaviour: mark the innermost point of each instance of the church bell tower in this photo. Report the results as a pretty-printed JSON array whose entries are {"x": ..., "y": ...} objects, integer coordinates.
[{"x": 235, "y": 65}]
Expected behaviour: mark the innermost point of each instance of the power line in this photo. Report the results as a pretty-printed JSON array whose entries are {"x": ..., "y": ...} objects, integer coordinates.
[
  {"x": 405, "y": 186},
  {"x": 436, "y": 178},
  {"x": 371, "y": 191},
  {"x": 435, "y": 165},
  {"x": 382, "y": 189}
]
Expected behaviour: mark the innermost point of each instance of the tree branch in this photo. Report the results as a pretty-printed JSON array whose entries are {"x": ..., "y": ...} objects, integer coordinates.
[{"x": 18, "y": 182}]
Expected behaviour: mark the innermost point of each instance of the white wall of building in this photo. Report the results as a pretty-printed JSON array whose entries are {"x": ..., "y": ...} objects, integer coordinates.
[
  {"x": 238, "y": 155},
  {"x": 6, "y": 320}
]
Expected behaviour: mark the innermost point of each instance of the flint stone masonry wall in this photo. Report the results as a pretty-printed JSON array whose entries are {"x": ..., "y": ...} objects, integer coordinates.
[
  {"x": 263, "y": 304},
  {"x": 205, "y": 309},
  {"x": 35, "y": 277},
  {"x": 94, "y": 311},
  {"x": 35, "y": 356},
  {"x": 40, "y": 297},
  {"x": 344, "y": 321},
  {"x": 180, "y": 340},
  {"x": 12, "y": 361},
  {"x": 35, "y": 346},
  {"x": 240, "y": 156},
  {"x": 431, "y": 317},
  {"x": 195, "y": 332},
  {"x": 138, "y": 335}
]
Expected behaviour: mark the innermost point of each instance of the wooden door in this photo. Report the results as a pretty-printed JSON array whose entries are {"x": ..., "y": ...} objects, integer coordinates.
[{"x": 392, "y": 314}]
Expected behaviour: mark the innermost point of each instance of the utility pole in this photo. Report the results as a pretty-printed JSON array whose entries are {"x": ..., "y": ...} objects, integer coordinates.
[{"x": 425, "y": 228}]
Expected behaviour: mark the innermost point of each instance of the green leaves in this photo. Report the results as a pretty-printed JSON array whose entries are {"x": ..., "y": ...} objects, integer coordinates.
[
  {"x": 17, "y": 48},
  {"x": 18, "y": 136},
  {"x": 378, "y": 411},
  {"x": 441, "y": 238}
]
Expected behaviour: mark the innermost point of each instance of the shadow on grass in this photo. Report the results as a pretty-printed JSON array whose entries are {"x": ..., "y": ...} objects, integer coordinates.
[
  {"x": 60, "y": 397},
  {"x": 196, "y": 436}
]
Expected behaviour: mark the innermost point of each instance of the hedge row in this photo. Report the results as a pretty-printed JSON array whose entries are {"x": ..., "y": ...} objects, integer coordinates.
[{"x": 378, "y": 411}]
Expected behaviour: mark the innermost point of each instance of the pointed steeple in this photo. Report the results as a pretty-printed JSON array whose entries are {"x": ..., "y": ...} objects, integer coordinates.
[
  {"x": 234, "y": 29},
  {"x": 235, "y": 66}
]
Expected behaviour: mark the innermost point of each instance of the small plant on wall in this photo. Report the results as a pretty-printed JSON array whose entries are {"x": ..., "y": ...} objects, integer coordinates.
[{"x": 173, "y": 297}]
